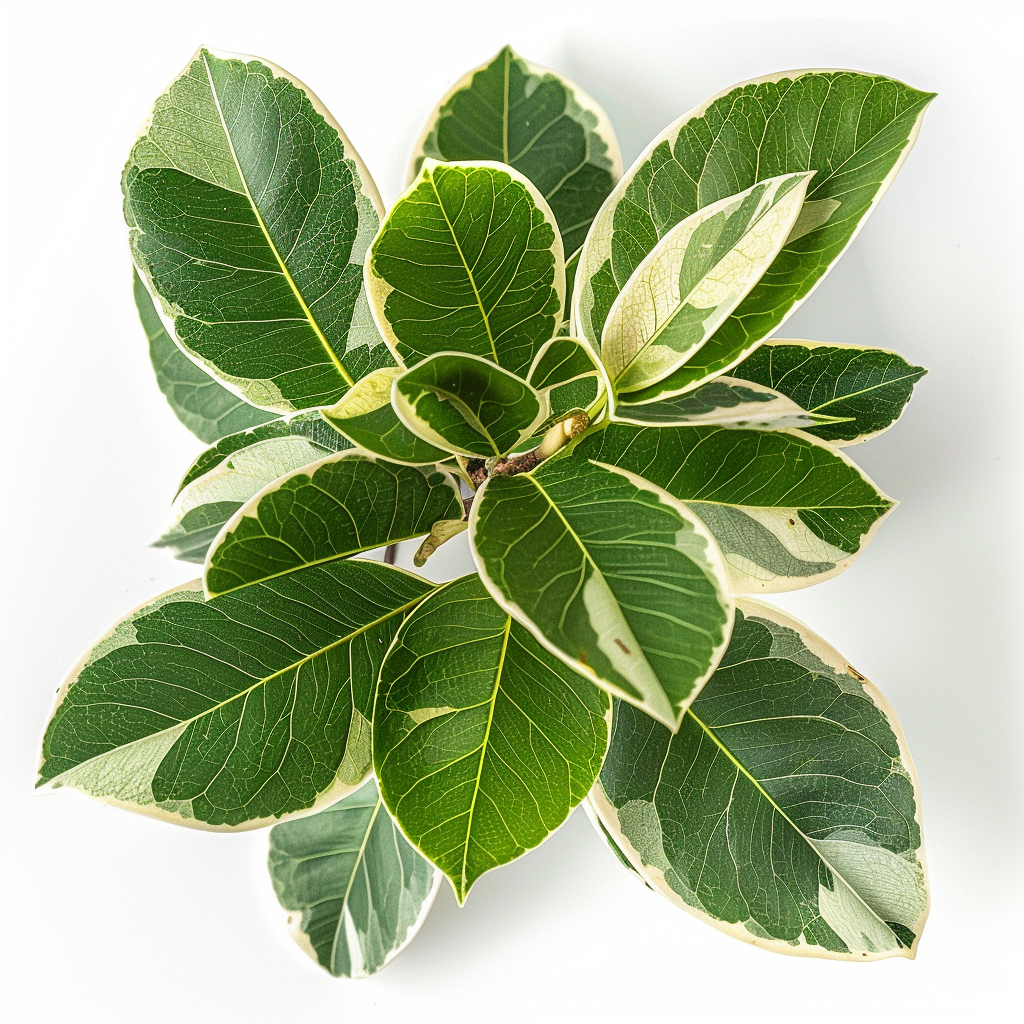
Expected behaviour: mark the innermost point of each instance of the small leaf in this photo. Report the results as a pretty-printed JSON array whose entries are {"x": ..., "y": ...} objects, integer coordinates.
[
  {"x": 560, "y": 361},
  {"x": 544, "y": 125},
  {"x": 785, "y": 810},
  {"x": 868, "y": 388},
  {"x": 482, "y": 741},
  {"x": 467, "y": 405},
  {"x": 611, "y": 574},
  {"x": 339, "y": 506},
  {"x": 205, "y": 407},
  {"x": 357, "y": 889},
  {"x": 468, "y": 259},
  {"x": 234, "y": 712},
  {"x": 696, "y": 275},
  {"x": 366, "y": 416}
]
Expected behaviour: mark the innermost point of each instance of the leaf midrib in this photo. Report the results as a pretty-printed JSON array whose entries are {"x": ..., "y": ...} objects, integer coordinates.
[{"x": 360, "y": 853}]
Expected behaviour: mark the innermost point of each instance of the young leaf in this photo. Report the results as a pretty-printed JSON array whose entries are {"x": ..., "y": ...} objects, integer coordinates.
[
  {"x": 206, "y": 408},
  {"x": 468, "y": 259},
  {"x": 786, "y": 510},
  {"x": 367, "y": 418},
  {"x": 611, "y": 574},
  {"x": 357, "y": 890},
  {"x": 227, "y": 475},
  {"x": 853, "y": 129},
  {"x": 514, "y": 112},
  {"x": 250, "y": 214},
  {"x": 867, "y": 387},
  {"x": 560, "y": 361},
  {"x": 326, "y": 511},
  {"x": 725, "y": 402},
  {"x": 784, "y": 811},
  {"x": 467, "y": 405},
  {"x": 234, "y": 712},
  {"x": 695, "y": 276},
  {"x": 572, "y": 264},
  {"x": 482, "y": 741}
]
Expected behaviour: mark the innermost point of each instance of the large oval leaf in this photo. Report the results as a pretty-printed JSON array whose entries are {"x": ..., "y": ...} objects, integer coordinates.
[
  {"x": 357, "y": 890},
  {"x": 328, "y": 510},
  {"x": 854, "y": 130},
  {"x": 482, "y": 741},
  {"x": 250, "y": 215},
  {"x": 613, "y": 575},
  {"x": 786, "y": 510},
  {"x": 468, "y": 259},
  {"x": 694, "y": 278},
  {"x": 234, "y": 712},
  {"x": 785, "y": 810},
  {"x": 514, "y": 112}
]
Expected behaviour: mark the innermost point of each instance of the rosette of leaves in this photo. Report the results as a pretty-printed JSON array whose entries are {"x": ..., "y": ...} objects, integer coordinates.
[{"x": 578, "y": 373}]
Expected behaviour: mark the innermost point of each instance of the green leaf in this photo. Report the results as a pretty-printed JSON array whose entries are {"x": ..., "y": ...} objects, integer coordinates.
[
  {"x": 482, "y": 741},
  {"x": 250, "y": 214},
  {"x": 366, "y": 416},
  {"x": 227, "y": 475},
  {"x": 467, "y": 405},
  {"x": 693, "y": 279},
  {"x": 514, "y": 112},
  {"x": 725, "y": 402},
  {"x": 784, "y": 811},
  {"x": 853, "y": 129},
  {"x": 205, "y": 407},
  {"x": 868, "y": 387},
  {"x": 468, "y": 259},
  {"x": 786, "y": 509},
  {"x": 328, "y": 510},
  {"x": 613, "y": 575},
  {"x": 357, "y": 890},
  {"x": 572, "y": 264},
  {"x": 234, "y": 712},
  {"x": 560, "y": 361}
]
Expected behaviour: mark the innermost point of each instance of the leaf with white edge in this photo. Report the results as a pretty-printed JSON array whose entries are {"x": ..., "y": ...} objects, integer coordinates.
[
  {"x": 868, "y": 387},
  {"x": 356, "y": 889},
  {"x": 202, "y": 405},
  {"x": 232, "y": 713},
  {"x": 515, "y": 112},
  {"x": 367, "y": 418},
  {"x": 250, "y": 215},
  {"x": 572, "y": 264},
  {"x": 725, "y": 402},
  {"x": 329, "y": 510},
  {"x": 227, "y": 475},
  {"x": 483, "y": 742},
  {"x": 786, "y": 509},
  {"x": 467, "y": 405},
  {"x": 613, "y": 575},
  {"x": 469, "y": 260},
  {"x": 785, "y": 811},
  {"x": 693, "y": 279},
  {"x": 853, "y": 129},
  {"x": 560, "y": 361}
]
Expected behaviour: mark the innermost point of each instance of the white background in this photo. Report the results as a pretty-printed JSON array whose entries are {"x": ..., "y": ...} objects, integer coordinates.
[{"x": 112, "y": 917}]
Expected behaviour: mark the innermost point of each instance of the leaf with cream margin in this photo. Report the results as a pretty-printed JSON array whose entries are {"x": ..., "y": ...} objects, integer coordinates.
[
  {"x": 610, "y": 573},
  {"x": 725, "y": 402},
  {"x": 224, "y": 477},
  {"x": 868, "y": 387},
  {"x": 367, "y": 417},
  {"x": 853, "y": 129},
  {"x": 250, "y": 214},
  {"x": 785, "y": 811},
  {"x": 326, "y": 511},
  {"x": 232, "y": 713},
  {"x": 538, "y": 121},
  {"x": 356, "y": 889},
  {"x": 467, "y": 405},
  {"x": 469, "y": 260},
  {"x": 785, "y": 509},
  {"x": 483, "y": 742},
  {"x": 693, "y": 279},
  {"x": 202, "y": 405},
  {"x": 572, "y": 264}
]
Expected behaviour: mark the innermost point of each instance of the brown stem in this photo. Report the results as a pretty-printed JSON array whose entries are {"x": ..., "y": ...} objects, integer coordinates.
[{"x": 390, "y": 553}]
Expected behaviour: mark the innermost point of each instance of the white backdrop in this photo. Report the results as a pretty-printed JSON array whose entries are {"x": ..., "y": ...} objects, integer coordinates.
[{"x": 112, "y": 917}]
